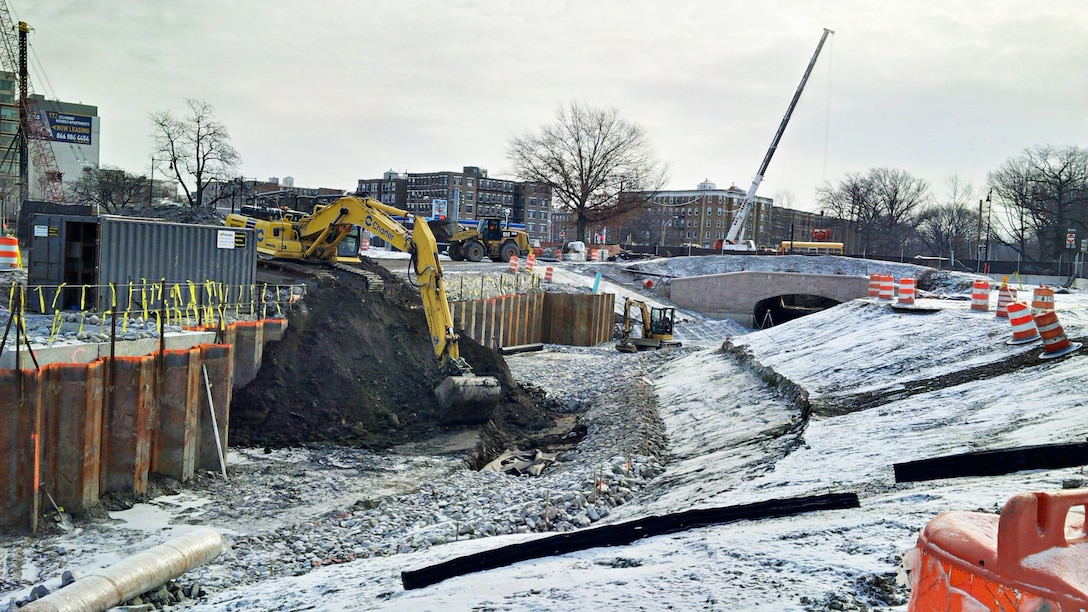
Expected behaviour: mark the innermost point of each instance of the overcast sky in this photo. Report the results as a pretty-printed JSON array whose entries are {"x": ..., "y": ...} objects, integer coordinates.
[{"x": 333, "y": 91}]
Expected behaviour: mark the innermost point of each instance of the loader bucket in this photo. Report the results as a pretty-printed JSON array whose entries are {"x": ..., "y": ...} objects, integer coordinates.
[{"x": 468, "y": 399}]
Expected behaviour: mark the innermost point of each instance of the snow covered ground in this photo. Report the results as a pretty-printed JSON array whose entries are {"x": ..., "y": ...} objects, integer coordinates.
[{"x": 884, "y": 387}]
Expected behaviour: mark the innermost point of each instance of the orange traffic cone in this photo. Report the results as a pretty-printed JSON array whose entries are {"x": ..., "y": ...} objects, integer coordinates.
[
  {"x": 548, "y": 273},
  {"x": 1005, "y": 296},
  {"x": 906, "y": 291},
  {"x": 1055, "y": 344},
  {"x": 513, "y": 267},
  {"x": 980, "y": 296},
  {"x": 530, "y": 261},
  {"x": 887, "y": 286},
  {"x": 1023, "y": 324},
  {"x": 1042, "y": 299},
  {"x": 9, "y": 253},
  {"x": 874, "y": 285}
]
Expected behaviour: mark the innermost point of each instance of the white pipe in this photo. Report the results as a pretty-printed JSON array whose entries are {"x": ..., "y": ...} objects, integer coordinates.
[{"x": 103, "y": 589}]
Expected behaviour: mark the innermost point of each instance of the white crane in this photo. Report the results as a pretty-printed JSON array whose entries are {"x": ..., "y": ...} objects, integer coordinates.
[{"x": 733, "y": 240}]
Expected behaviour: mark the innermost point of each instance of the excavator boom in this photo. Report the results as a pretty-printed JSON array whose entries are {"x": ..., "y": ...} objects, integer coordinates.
[{"x": 464, "y": 396}]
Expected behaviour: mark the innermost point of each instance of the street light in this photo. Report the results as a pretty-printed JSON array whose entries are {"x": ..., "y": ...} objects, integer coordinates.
[
  {"x": 151, "y": 184},
  {"x": 665, "y": 222}
]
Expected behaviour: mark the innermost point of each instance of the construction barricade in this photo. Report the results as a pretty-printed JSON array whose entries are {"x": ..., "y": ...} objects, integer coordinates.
[
  {"x": 10, "y": 259},
  {"x": 512, "y": 268},
  {"x": 548, "y": 274},
  {"x": 1023, "y": 559},
  {"x": 1055, "y": 343},
  {"x": 530, "y": 262},
  {"x": 887, "y": 287},
  {"x": 874, "y": 285},
  {"x": 1023, "y": 324},
  {"x": 906, "y": 291},
  {"x": 980, "y": 296},
  {"x": 1042, "y": 299},
  {"x": 1005, "y": 296}
]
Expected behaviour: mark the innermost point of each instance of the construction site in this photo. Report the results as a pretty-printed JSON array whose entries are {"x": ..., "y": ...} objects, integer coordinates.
[{"x": 360, "y": 407}]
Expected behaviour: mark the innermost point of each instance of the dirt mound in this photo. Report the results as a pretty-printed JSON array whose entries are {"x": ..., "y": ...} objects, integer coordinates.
[{"x": 356, "y": 367}]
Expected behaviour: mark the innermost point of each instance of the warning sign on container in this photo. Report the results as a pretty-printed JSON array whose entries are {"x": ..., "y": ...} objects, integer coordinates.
[{"x": 225, "y": 239}]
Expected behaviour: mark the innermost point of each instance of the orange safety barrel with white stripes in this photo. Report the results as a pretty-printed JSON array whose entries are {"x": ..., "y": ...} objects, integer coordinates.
[
  {"x": 1005, "y": 295},
  {"x": 548, "y": 273},
  {"x": 1042, "y": 299},
  {"x": 906, "y": 291},
  {"x": 364, "y": 244},
  {"x": 887, "y": 286},
  {"x": 513, "y": 267},
  {"x": 530, "y": 261},
  {"x": 1055, "y": 343},
  {"x": 980, "y": 296},
  {"x": 9, "y": 253},
  {"x": 1023, "y": 324},
  {"x": 874, "y": 285},
  {"x": 1028, "y": 558}
]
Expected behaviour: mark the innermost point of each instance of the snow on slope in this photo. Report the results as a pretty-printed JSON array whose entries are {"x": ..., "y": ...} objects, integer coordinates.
[{"x": 722, "y": 422}]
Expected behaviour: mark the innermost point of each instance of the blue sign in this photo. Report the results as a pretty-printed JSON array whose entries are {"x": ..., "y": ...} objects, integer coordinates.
[{"x": 64, "y": 127}]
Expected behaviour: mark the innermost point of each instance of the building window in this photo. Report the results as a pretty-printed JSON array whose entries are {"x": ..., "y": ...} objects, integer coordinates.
[
  {"x": 468, "y": 182},
  {"x": 543, "y": 214}
]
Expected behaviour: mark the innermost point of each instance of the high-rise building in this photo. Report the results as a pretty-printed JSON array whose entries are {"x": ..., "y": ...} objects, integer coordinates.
[{"x": 9, "y": 158}]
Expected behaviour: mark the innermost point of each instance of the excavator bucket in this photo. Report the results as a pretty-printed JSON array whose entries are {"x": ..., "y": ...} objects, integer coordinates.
[{"x": 468, "y": 399}]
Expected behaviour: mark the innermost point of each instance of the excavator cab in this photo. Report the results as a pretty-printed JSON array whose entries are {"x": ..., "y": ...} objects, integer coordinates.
[{"x": 656, "y": 329}]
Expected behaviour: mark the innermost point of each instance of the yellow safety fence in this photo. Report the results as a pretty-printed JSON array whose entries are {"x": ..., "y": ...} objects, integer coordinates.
[{"x": 185, "y": 304}]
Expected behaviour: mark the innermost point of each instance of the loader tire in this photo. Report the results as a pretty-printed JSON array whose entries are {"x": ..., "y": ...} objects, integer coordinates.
[
  {"x": 456, "y": 251},
  {"x": 508, "y": 250},
  {"x": 473, "y": 251}
]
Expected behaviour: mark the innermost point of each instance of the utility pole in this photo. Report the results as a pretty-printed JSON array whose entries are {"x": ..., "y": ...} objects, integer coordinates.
[{"x": 978, "y": 240}]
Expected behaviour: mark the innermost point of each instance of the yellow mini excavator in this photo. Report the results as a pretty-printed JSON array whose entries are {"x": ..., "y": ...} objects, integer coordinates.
[
  {"x": 656, "y": 331},
  {"x": 315, "y": 237}
]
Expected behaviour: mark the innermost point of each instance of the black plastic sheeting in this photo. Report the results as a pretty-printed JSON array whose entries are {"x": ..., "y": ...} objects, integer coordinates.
[
  {"x": 621, "y": 534},
  {"x": 994, "y": 462}
]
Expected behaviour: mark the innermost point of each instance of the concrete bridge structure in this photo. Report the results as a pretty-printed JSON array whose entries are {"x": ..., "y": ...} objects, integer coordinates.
[{"x": 744, "y": 296}]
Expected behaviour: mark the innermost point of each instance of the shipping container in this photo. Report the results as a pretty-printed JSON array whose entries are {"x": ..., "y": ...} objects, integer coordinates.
[{"x": 74, "y": 261}]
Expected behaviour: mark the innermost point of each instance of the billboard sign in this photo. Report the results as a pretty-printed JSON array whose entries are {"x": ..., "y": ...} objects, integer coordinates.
[{"x": 65, "y": 127}]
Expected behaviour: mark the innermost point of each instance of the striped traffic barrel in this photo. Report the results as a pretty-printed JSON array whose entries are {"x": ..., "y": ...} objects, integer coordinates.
[
  {"x": 1023, "y": 324},
  {"x": 1042, "y": 299},
  {"x": 980, "y": 296},
  {"x": 9, "y": 253},
  {"x": 1055, "y": 342}
]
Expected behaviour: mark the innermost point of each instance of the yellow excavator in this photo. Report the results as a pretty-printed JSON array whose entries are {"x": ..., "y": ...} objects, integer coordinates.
[
  {"x": 656, "y": 329},
  {"x": 315, "y": 237}
]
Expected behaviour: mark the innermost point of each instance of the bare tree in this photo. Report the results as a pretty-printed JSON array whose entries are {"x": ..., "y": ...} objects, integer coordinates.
[
  {"x": 196, "y": 149},
  {"x": 1045, "y": 191},
  {"x": 853, "y": 201},
  {"x": 109, "y": 189},
  {"x": 948, "y": 228},
  {"x": 589, "y": 157}
]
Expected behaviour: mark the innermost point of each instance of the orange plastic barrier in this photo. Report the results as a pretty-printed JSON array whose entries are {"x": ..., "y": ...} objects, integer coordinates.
[
  {"x": 1055, "y": 343},
  {"x": 906, "y": 291},
  {"x": 1023, "y": 324},
  {"x": 874, "y": 285},
  {"x": 1042, "y": 299},
  {"x": 9, "y": 254},
  {"x": 1005, "y": 295},
  {"x": 887, "y": 286},
  {"x": 1033, "y": 563},
  {"x": 980, "y": 296}
]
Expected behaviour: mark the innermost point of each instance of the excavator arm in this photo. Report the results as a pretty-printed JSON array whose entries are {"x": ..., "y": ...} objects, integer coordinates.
[{"x": 466, "y": 397}]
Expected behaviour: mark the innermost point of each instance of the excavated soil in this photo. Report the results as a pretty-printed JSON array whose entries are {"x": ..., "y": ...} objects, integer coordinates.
[{"x": 356, "y": 367}]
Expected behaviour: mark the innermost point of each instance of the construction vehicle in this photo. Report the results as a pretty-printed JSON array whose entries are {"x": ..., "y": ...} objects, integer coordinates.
[
  {"x": 316, "y": 237},
  {"x": 490, "y": 237},
  {"x": 734, "y": 237},
  {"x": 656, "y": 330}
]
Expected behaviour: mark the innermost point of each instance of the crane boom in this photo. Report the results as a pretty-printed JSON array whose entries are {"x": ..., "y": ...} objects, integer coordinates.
[{"x": 736, "y": 230}]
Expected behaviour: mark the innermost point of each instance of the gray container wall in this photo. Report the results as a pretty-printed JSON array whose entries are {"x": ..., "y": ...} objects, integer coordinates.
[
  {"x": 95, "y": 251},
  {"x": 147, "y": 250}
]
